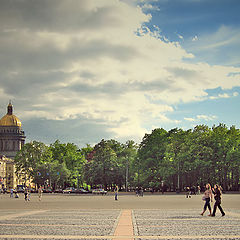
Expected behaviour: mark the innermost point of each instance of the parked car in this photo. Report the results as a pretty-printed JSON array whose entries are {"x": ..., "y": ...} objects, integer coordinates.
[
  {"x": 58, "y": 190},
  {"x": 82, "y": 191},
  {"x": 47, "y": 190},
  {"x": 69, "y": 190},
  {"x": 99, "y": 191}
]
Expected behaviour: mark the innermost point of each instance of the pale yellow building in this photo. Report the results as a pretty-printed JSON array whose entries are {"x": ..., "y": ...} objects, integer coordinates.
[{"x": 8, "y": 177}]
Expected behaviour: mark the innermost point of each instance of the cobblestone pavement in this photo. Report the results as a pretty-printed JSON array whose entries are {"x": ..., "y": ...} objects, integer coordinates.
[
  {"x": 27, "y": 221},
  {"x": 182, "y": 224}
]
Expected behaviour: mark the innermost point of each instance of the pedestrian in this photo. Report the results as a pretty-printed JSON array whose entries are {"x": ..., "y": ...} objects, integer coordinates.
[
  {"x": 137, "y": 192},
  {"x": 11, "y": 193},
  {"x": 199, "y": 189},
  {"x": 29, "y": 193},
  {"x": 16, "y": 195},
  {"x": 40, "y": 193},
  {"x": 26, "y": 194},
  {"x": 217, "y": 196},
  {"x": 188, "y": 192},
  {"x": 207, "y": 197},
  {"x": 116, "y": 193}
]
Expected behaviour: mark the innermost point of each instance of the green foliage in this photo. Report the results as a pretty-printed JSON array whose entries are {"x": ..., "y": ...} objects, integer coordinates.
[
  {"x": 30, "y": 157},
  {"x": 190, "y": 158},
  {"x": 175, "y": 159}
]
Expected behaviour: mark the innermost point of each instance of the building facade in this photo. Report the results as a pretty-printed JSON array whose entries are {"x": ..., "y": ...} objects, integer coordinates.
[
  {"x": 12, "y": 136},
  {"x": 8, "y": 178},
  {"x": 12, "y": 139}
]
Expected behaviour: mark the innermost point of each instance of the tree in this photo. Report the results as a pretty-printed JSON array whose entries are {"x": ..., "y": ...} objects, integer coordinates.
[
  {"x": 72, "y": 157},
  {"x": 51, "y": 174},
  {"x": 30, "y": 157},
  {"x": 102, "y": 169},
  {"x": 151, "y": 156}
]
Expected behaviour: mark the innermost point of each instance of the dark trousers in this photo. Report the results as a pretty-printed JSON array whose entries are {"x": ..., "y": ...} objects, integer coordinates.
[
  {"x": 207, "y": 204},
  {"x": 218, "y": 204}
]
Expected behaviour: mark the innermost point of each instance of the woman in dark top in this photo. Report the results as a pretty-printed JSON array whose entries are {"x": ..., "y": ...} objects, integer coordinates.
[{"x": 217, "y": 196}]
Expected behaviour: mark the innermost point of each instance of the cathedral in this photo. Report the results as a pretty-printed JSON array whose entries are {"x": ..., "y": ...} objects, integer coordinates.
[{"x": 12, "y": 139}]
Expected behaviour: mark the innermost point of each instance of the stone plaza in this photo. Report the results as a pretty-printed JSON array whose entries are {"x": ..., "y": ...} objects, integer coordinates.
[{"x": 170, "y": 216}]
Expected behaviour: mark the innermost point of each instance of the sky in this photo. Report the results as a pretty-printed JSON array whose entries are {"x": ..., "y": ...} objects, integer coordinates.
[{"x": 85, "y": 70}]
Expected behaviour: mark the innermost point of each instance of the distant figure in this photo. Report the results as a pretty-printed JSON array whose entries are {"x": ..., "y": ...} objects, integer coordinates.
[
  {"x": 141, "y": 192},
  {"x": 188, "y": 192},
  {"x": 11, "y": 193},
  {"x": 29, "y": 193},
  {"x": 40, "y": 193},
  {"x": 116, "y": 193},
  {"x": 199, "y": 189},
  {"x": 217, "y": 196},
  {"x": 16, "y": 195},
  {"x": 26, "y": 194},
  {"x": 207, "y": 197},
  {"x": 137, "y": 192}
]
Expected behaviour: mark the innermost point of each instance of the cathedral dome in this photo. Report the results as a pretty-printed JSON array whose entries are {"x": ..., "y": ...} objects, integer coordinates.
[{"x": 10, "y": 119}]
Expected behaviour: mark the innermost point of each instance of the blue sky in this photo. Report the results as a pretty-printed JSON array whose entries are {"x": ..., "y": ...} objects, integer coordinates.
[
  {"x": 83, "y": 70},
  {"x": 209, "y": 30}
]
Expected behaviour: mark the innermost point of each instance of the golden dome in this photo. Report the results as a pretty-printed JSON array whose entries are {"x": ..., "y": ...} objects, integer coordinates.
[{"x": 9, "y": 119}]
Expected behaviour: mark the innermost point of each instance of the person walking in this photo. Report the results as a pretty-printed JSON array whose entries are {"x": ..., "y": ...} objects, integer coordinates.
[
  {"x": 40, "y": 193},
  {"x": 217, "y": 196},
  {"x": 188, "y": 192},
  {"x": 26, "y": 194},
  {"x": 116, "y": 193},
  {"x": 29, "y": 193},
  {"x": 199, "y": 189},
  {"x": 207, "y": 197},
  {"x": 11, "y": 193}
]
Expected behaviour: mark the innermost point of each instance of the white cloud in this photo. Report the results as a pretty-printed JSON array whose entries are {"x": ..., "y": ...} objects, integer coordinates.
[
  {"x": 224, "y": 95},
  {"x": 217, "y": 47},
  {"x": 190, "y": 119},
  {"x": 206, "y": 118},
  {"x": 195, "y": 38},
  {"x": 200, "y": 118},
  {"x": 148, "y": 6},
  {"x": 96, "y": 60},
  {"x": 180, "y": 36}
]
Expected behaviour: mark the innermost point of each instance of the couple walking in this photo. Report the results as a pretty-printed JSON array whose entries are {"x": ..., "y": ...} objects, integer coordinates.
[{"x": 208, "y": 196}]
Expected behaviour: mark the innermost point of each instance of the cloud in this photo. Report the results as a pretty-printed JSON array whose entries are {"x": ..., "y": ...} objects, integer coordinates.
[
  {"x": 217, "y": 47},
  {"x": 190, "y": 119},
  {"x": 200, "y": 117},
  {"x": 195, "y": 38},
  {"x": 92, "y": 61},
  {"x": 180, "y": 36},
  {"x": 224, "y": 95},
  {"x": 206, "y": 118},
  {"x": 147, "y": 6}
]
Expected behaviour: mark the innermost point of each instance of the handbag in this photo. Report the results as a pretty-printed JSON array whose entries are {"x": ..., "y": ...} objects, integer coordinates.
[{"x": 203, "y": 198}]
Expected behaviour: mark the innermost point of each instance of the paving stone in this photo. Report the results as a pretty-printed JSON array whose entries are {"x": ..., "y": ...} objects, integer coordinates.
[
  {"x": 59, "y": 222},
  {"x": 57, "y": 230}
]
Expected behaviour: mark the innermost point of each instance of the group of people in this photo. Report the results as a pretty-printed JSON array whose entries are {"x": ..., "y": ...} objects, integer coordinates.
[
  {"x": 209, "y": 193},
  {"x": 27, "y": 193}
]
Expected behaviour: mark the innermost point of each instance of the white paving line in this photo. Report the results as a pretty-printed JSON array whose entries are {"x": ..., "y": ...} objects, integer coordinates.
[{"x": 116, "y": 237}]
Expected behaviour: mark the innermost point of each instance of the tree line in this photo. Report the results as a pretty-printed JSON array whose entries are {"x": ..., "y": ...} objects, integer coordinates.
[{"x": 170, "y": 159}]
